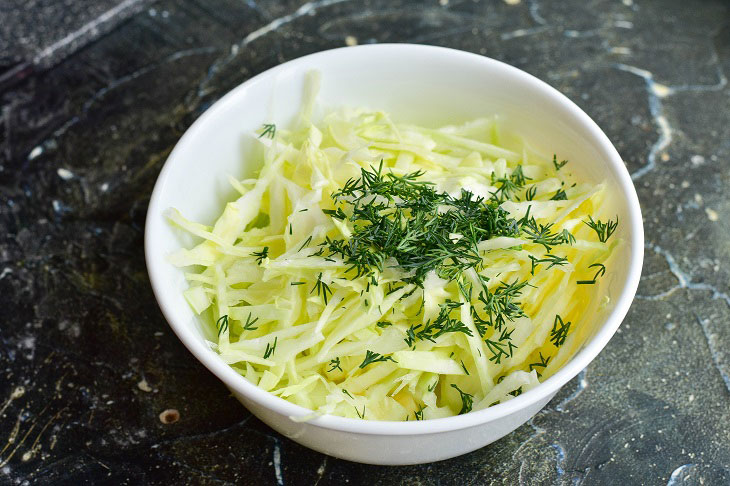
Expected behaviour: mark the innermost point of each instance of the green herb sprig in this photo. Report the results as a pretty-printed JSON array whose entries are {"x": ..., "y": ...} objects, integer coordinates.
[
  {"x": 559, "y": 331},
  {"x": 322, "y": 288},
  {"x": 269, "y": 130},
  {"x": 334, "y": 365},
  {"x": 467, "y": 400},
  {"x": 502, "y": 347},
  {"x": 540, "y": 364},
  {"x": 404, "y": 218},
  {"x": 439, "y": 326},
  {"x": 371, "y": 357},
  {"x": 270, "y": 349},
  {"x": 261, "y": 255},
  {"x": 558, "y": 165},
  {"x": 222, "y": 324},
  {"x": 601, "y": 271},
  {"x": 553, "y": 260},
  {"x": 603, "y": 230},
  {"x": 248, "y": 325}
]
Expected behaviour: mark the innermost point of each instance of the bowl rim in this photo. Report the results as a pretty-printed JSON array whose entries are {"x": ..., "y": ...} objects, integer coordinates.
[{"x": 544, "y": 390}]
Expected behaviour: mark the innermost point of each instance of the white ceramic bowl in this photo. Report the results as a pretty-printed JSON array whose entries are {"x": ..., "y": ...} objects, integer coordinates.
[{"x": 422, "y": 84}]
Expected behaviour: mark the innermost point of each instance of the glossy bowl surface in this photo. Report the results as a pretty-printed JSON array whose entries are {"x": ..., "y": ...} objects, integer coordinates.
[{"x": 420, "y": 84}]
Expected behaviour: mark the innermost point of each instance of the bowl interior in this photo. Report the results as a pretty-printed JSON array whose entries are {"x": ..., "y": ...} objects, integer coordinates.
[{"x": 425, "y": 85}]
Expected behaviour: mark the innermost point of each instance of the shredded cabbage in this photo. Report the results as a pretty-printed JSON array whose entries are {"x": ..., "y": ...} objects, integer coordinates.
[{"x": 381, "y": 342}]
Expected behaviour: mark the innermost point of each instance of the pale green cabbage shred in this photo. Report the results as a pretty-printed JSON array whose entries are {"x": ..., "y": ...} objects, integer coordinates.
[{"x": 282, "y": 208}]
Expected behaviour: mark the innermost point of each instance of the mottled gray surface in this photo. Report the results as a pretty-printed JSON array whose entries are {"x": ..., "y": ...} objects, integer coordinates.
[{"x": 87, "y": 363}]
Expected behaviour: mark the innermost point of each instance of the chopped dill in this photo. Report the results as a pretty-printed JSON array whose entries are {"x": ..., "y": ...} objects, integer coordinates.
[
  {"x": 467, "y": 400},
  {"x": 270, "y": 349},
  {"x": 268, "y": 131},
  {"x": 559, "y": 331},
  {"x": 321, "y": 288},
  {"x": 306, "y": 243},
  {"x": 371, "y": 357},
  {"x": 530, "y": 193},
  {"x": 361, "y": 415},
  {"x": 419, "y": 413},
  {"x": 601, "y": 272},
  {"x": 439, "y": 326},
  {"x": 501, "y": 347},
  {"x": 540, "y": 364},
  {"x": 398, "y": 217},
  {"x": 261, "y": 255},
  {"x": 334, "y": 365},
  {"x": 603, "y": 230},
  {"x": 553, "y": 260},
  {"x": 463, "y": 366},
  {"x": 222, "y": 324},
  {"x": 500, "y": 306},
  {"x": 248, "y": 325},
  {"x": 558, "y": 165}
]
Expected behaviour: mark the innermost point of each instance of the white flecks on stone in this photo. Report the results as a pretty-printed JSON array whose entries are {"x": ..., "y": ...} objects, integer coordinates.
[
  {"x": 691, "y": 398},
  {"x": 56, "y": 204},
  {"x": 322, "y": 467},
  {"x": 712, "y": 214},
  {"x": 351, "y": 40},
  {"x": 628, "y": 3},
  {"x": 65, "y": 174},
  {"x": 306, "y": 9},
  {"x": 234, "y": 49},
  {"x": 152, "y": 12},
  {"x": 36, "y": 152},
  {"x": 670, "y": 326},
  {"x": 697, "y": 160},
  {"x": 623, "y": 51},
  {"x": 657, "y": 111},
  {"x": 512, "y": 2},
  {"x": 698, "y": 198},
  {"x": 681, "y": 474},
  {"x": 277, "y": 464},
  {"x": 685, "y": 184},
  {"x": 144, "y": 386},
  {"x": 104, "y": 187},
  {"x": 582, "y": 385},
  {"x": 443, "y": 3},
  {"x": 92, "y": 26},
  {"x": 661, "y": 90},
  {"x": 6, "y": 271},
  {"x": 28, "y": 342},
  {"x": 522, "y": 32},
  {"x": 624, "y": 24}
]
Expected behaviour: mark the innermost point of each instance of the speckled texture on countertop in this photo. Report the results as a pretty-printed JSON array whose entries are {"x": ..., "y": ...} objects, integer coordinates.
[{"x": 87, "y": 363}]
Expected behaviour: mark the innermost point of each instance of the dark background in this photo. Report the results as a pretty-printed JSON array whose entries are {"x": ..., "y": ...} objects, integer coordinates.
[{"x": 93, "y": 96}]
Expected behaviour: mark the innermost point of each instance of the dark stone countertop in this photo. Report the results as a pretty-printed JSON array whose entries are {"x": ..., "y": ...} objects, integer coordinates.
[{"x": 93, "y": 95}]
